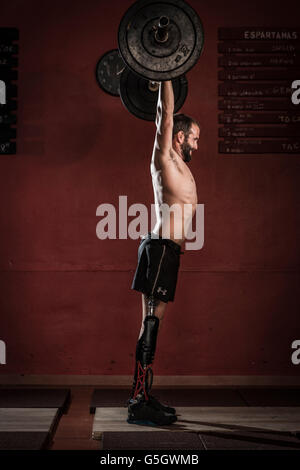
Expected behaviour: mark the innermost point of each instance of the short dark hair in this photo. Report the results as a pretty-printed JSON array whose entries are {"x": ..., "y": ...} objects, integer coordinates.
[{"x": 182, "y": 122}]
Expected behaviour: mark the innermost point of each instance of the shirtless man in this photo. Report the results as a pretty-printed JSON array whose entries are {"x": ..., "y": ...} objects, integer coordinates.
[{"x": 159, "y": 252}]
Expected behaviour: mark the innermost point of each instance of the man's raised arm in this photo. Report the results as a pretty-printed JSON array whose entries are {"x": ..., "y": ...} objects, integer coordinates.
[{"x": 164, "y": 119}]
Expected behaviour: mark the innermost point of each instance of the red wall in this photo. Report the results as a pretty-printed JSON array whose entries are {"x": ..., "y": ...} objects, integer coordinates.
[{"x": 66, "y": 303}]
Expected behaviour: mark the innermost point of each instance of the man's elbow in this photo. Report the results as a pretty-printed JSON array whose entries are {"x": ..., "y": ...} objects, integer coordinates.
[
  {"x": 167, "y": 113},
  {"x": 167, "y": 120},
  {"x": 164, "y": 108}
]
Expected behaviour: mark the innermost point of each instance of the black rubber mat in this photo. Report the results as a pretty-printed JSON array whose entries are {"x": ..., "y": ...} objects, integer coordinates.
[
  {"x": 171, "y": 397},
  {"x": 153, "y": 440},
  {"x": 249, "y": 441},
  {"x": 23, "y": 440},
  {"x": 35, "y": 398},
  {"x": 271, "y": 396}
]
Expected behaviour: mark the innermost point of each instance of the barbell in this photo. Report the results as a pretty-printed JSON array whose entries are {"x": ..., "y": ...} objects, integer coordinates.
[
  {"x": 139, "y": 96},
  {"x": 108, "y": 72},
  {"x": 160, "y": 39}
]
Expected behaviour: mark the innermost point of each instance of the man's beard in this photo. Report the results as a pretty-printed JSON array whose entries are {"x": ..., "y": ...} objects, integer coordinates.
[{"x": 186, "y": 148}]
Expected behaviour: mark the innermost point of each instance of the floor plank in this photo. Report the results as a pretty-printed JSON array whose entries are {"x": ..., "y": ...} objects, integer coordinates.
[
  {"x": 197, "y": 419},
  {"x": 23, "y": 440},
  {"x": 27, "y": 419},
  {"x": 35, "y": 398}
]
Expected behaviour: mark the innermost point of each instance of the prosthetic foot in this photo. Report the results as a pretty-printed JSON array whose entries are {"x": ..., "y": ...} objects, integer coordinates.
[
  {"x": 141, "y": 412},
  {"x": 159, "y": 406}
]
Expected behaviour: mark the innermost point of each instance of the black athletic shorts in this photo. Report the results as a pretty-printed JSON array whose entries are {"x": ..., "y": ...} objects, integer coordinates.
[{"x": 157, "y": 269}]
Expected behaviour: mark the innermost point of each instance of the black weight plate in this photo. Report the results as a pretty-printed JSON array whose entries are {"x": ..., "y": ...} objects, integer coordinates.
[
  {"x": 140, "y": 100},
  {"x": 151, "y": 59},
  {"x": 108, "y": 72}
]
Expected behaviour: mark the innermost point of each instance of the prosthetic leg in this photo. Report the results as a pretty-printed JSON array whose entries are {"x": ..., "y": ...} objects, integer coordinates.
[
  {"x": 145, "y": 351},
  {"x": 143, "y": 408}
]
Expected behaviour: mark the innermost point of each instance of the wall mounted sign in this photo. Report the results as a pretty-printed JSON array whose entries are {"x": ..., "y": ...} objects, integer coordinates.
[
  {"x": 258, "y": 68},
  {"x": 8, "y": 89}
]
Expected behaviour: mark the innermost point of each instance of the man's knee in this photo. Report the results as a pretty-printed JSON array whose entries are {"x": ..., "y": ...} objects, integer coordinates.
[
  {"x": 156, "y": 307},
  {"x": 152, "y": 305}
]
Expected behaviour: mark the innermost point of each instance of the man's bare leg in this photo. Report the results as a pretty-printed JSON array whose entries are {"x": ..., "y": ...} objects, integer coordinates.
[{"x": 159, "y": 311}]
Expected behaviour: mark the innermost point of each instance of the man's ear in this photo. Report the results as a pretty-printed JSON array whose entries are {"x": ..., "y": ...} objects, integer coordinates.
[{"x": 180, "y": 137}]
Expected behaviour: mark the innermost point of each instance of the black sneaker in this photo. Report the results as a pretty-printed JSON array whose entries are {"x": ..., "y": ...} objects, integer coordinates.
[
  {"x": 141, "y": 412},
  {"x": 159, "y": 406}
]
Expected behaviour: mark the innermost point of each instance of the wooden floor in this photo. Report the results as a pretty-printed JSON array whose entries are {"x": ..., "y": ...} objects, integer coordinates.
[
  {"x": 27, "y": 419},
  {"x": 198, "y": 419},
  {"x": 74, "y": 431}
]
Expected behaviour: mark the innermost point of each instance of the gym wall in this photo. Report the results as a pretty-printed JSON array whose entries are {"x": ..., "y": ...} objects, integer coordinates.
[{"x": 66, "y": 303}]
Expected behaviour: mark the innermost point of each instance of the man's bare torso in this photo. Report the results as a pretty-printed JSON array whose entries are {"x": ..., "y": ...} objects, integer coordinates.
[{"x": 173, "y": 183}]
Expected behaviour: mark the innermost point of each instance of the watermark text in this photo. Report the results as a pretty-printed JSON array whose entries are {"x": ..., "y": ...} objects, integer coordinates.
[{"x": 178, "y": 216}]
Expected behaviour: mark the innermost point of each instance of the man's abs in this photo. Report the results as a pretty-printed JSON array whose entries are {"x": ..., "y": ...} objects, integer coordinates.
[{"x": 175, "y": 202}]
